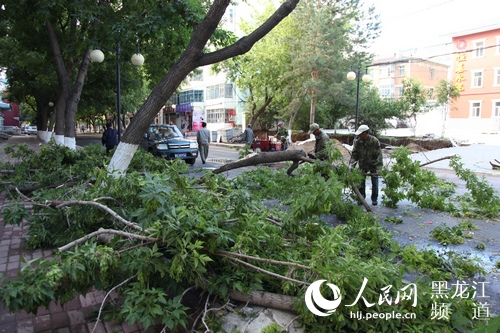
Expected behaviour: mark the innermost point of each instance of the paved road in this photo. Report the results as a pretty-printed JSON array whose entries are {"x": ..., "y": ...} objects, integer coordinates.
[{"x": 218, "y": 153}]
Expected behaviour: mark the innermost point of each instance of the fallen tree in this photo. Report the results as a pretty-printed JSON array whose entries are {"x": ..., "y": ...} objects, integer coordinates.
[
  {"x": 297, "y": 157},
  {"x": 149, "y": 237}
]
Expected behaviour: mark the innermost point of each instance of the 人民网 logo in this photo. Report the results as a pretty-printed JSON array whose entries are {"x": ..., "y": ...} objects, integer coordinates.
[{"x": 314, "y": 294}]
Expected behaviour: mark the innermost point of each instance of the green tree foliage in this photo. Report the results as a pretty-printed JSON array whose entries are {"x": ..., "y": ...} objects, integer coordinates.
[
  {"x": 153, "y": 235},
  {"x": 301, "y": 64},
  {"x": 159, "y": 31},
  {"x": 407, "y": 180},
  {"x": 414, "y": 100}
]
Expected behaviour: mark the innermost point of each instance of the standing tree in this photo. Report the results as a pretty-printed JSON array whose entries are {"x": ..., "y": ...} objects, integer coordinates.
[
  {"x": 446, "y": 93},
  {"x": 192, "y": 58},
  {"x": 413, "y": 101},
  {"x": 260, "y": 71}
]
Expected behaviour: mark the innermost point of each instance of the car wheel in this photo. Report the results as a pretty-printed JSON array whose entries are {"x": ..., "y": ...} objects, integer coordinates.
[
  {"x": 191, "y": 161},
  {"x": 257, "y": 150}
]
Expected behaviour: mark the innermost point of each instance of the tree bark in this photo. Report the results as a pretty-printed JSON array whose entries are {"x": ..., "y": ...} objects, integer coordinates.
[
  {"x": 265, "y": 299},
  {"x": 193, "y": 57},
  {"x": 266, "y": 157}
]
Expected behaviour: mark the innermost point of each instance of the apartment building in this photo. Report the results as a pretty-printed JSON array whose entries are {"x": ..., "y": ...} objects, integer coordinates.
[
  {"x": 207, "y": 95},
  {"x": 476, "y": 72},
  {"x": 388, "y": 74}
]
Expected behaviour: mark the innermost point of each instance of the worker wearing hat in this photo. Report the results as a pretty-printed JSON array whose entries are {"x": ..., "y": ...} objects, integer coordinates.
[
  {"x": 368, "y": 154},
  {"x": 282, "y": 135},
  {"x": 321, "y": 142}
]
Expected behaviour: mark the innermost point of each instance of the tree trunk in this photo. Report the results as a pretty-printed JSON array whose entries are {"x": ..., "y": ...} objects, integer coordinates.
[
  {"x": 193, "y": 57},
  {"x": 266, "y": 157},
  {"x": 265, "y": 299}
]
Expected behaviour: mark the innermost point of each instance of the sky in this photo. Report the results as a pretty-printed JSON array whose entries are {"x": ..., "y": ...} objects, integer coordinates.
[{"x": 408, "y": 24}]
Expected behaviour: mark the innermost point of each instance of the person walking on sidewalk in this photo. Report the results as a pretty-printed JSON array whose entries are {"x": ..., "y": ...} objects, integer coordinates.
[
  {"x": 203, "y": 139},
  {"x": 368, "y": 154},
  {"x": 109, "y": 137}
]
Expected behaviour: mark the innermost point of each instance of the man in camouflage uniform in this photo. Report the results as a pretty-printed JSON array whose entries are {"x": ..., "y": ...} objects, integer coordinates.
[
  {"x": 368, "y": 154},
  {"x": 282, "y": 135},
  {"x": 321, "y": 142}
]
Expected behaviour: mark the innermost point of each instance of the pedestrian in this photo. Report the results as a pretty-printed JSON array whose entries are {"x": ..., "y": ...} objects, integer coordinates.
[
  {"x": 203, "y": 139},
  {"x": 367, "y": 154},
  {"x": 109, "y": 137},
  {"x": 282, "y": 135},
  {"x": 321, "y": 143},
  {"x": 248, "y": 135}
]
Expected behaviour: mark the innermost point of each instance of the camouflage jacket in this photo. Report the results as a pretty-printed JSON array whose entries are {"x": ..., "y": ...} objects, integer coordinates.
[
  {"x": 367, "y": 153},
  {"x": 320, "y": 145}
]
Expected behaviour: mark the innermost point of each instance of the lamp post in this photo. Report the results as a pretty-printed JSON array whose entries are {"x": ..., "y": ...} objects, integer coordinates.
[
  {"x": 366, "y": 78},
  {"x": 137, "y": 60}
]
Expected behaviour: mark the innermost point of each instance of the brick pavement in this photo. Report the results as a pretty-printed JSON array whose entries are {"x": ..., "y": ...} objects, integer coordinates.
[{"x": 77, "y": 316}]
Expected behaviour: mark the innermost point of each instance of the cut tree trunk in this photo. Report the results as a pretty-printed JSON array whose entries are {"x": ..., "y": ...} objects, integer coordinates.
[
  {"x": 266, "y": 157},
  {"x": 265, "y": 299}
]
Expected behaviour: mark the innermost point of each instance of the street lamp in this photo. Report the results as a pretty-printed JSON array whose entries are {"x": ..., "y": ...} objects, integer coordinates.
[
  {"x": 366, "y": 78},
  {"x": 137, "y": 60}
]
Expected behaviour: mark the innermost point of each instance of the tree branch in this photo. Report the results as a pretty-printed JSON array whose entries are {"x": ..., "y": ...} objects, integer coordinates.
[
  {"x": 270, "y": 261},
  {"x": 265, "y": 271},
  {"x": 244, "y": 44},
  {"x": 60, "y": 204},
  {"x": 439, "y": 159},
  {"x": 109, "y": 292},
  {"x": 105, "y": 231}
]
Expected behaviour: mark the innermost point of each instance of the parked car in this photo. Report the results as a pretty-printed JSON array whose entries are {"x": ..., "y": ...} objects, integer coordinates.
[
  {"x": 168, "y": 142},
  {"x": 32, "y": 129}
]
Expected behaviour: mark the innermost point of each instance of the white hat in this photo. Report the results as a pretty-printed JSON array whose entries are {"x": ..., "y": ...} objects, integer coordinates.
[
  {"x": 313, "y": 127},
  {"x": 361, "y": 129}
]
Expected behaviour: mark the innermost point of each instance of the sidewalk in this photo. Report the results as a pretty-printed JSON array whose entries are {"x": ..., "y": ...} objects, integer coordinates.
[{"x": 77, "y": 316}]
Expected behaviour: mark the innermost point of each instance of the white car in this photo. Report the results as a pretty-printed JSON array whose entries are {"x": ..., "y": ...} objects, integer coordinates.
[{"x": 31, "y": 130}]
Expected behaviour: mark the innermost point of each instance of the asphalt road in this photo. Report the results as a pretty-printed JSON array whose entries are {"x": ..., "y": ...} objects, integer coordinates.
[{"x": 218, "y": 154}]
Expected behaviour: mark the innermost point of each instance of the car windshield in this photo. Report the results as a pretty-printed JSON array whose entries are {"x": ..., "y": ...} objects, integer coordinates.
[{"x": 164, "y": 132}]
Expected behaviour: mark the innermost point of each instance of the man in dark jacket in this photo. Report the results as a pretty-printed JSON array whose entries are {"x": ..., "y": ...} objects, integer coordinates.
[
  {"x": 248, "y": 135},
  {"x": 203, "y": 139},
  {"x": 109, "y": 137},
  {"x": 368, "y": 154}
]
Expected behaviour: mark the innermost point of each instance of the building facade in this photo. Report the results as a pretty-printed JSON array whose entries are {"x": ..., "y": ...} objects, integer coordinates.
[
  {"x": 388, "y": 75},
  {"x": 476, "y": 72},
  {"x": 209, "y": 96}
]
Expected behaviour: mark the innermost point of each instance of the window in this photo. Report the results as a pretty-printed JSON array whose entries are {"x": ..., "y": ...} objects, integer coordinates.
[
  {"x": 190, "y": 96},
  {"x": 216, "y": 116},
  {"x": 475, "y": 109},
  {"x": 387, "y": 91},
  {"x": 391, "y": 69},
  {"x": 223, "y": 90},
  {"x": 431, "y": 93},
  {"x": 478, "y": 48},
  {"x": 229, "y": 90},
  {"x": 496, "y": 76},
  {"x": 401, "y": 71},
  {"x": 400, "y": 91},
  {"x": 477, "y": 79},
  {"x": 431, "y": 73},
  {"x": 496, "y": 109}
]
